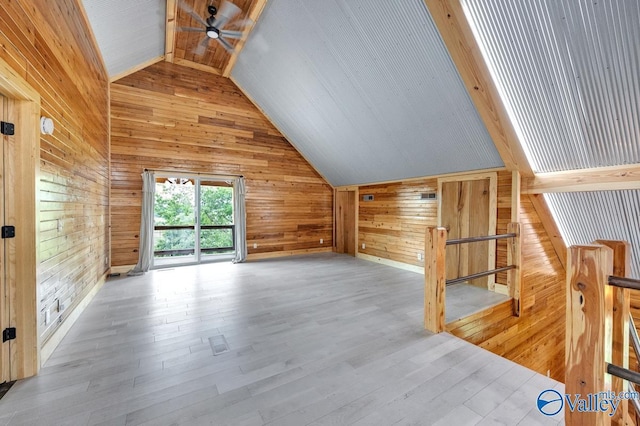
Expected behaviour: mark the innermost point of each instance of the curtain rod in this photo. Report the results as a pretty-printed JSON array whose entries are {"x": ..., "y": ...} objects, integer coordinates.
[{"x": 176, "y": 172}]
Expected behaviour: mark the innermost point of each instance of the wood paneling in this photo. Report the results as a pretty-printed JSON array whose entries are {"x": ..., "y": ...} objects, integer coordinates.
[
  {"x": 172, "y": 117},
  {"x": 48, "y": 43},
  {"x": 393, "y": 225}
]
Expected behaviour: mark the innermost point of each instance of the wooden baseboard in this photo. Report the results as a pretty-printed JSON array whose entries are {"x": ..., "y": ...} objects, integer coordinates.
[
  {"x": 70, "y": 318},
  {"x": 274, "y": 254},
  {"x": 393, "y": 263},
  {"x": 122, "y": 269}
]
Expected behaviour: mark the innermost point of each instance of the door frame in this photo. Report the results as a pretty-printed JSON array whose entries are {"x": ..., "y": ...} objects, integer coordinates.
[
  {"x": 197, "y": 177},
  {"x": 21, "y": 210},
  {"x": 493, "y": 212}
]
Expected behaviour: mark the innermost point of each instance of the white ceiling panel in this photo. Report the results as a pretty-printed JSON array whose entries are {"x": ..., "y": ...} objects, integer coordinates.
[
  {"x": 129, "y": 32},
  {"x": 364, "y": 89},
  {"x": 584, "y": 217},
  {"x": 567, "y": 71}
]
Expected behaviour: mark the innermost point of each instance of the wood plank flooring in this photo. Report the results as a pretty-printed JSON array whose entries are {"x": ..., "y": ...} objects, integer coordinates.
[{"x": 322, "y": 340}]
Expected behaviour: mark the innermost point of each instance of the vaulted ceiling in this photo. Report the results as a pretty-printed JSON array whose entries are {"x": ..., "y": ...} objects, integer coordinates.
[
  {"x": 361, "y": 104},
  {"x": 372, "y": 90}
]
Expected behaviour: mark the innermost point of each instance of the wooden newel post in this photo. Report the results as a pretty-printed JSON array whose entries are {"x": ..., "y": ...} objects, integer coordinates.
[
  {"x": 434, "y": 279},
  {"x": 588, "y": 329},
  {"x": 514, "y": 276},
  {"x": 621, "y": 303}
]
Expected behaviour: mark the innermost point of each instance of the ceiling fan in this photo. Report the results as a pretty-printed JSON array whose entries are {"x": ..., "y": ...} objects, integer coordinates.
[{"x": 215, "y": 26}]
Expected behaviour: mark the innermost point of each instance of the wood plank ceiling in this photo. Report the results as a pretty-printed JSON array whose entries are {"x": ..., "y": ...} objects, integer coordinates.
[{"x": 215, "y": 58}]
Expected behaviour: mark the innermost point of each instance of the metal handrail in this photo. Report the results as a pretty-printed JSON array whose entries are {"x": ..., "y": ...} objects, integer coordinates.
[
  {"x": 623, "y": 373},
  {"x": 479, "y": 275},
  {"x": 171, "y": 227},
  {"x": 483, "y": 238},
  {"x": 623, "y": 282}
]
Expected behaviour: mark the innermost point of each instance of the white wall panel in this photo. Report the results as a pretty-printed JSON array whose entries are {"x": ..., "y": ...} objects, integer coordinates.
[
  {"x": 129, "y": 32},
  {"x": 567, "y": 71},
  {"x": 364, "y": 89},
  {"x": 584, "y": 217}
]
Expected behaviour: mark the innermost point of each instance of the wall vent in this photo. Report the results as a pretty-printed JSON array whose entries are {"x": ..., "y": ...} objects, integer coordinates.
[
  {"x": 428, "y": 196},
  {"x": 368, "y": 197}
]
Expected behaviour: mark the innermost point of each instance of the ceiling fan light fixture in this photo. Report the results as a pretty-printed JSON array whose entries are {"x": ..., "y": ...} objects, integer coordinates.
[{"x": 213, "y": 32}]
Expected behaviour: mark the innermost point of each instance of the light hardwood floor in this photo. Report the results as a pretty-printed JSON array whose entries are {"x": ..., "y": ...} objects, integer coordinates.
[{"x": 320, "y": 339}]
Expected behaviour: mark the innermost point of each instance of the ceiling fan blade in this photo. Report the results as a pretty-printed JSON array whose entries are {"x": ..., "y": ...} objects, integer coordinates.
[
  {"x": 228, "y": 47},
  {"x": 232, "y": 34},
  {"x": 241, "y": 23},
  {"x": 191, "y": 29},
  {"x": 226, "y": 13},
  {"x": 202, "y": 46},
  {"x": 191, "y": 12}
]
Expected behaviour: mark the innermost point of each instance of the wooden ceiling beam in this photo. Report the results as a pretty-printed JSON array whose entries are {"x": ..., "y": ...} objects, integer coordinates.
[
  {"x": 595, "y": 179},
  {"x": 254, "y": 14},
  {"x": 465, "y": 53},
  {"x": 196, "y": 66},
  {"x": 170, "y": 30}
]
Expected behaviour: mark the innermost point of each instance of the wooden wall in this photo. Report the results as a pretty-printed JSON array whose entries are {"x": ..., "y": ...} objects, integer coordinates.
[
  {"x": 48, "y": 43},
  {"x": 393, "y": 227},
  {"x": 176, "y": 118}
]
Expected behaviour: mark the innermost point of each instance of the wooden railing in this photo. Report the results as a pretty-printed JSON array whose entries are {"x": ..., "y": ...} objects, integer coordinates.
[
  {"x": 191, "y": 251},
  {"x": 598, "y": 329},
  {"x": 435, "y": 281}
]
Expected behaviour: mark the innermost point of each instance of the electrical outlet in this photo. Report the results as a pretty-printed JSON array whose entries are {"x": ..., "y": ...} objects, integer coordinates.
[
  {"x": 364, "y": 246},
  {"x": 255, "y": 245},
  {"x": 47, "y": 317},
  {"x": 321, "y": 241},
  {"x": 420, "y": 255}
]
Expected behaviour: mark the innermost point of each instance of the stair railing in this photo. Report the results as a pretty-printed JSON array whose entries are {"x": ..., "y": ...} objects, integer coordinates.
[
  {"x": 435, "y": 281},
  {"x": 599, "y": 330}
]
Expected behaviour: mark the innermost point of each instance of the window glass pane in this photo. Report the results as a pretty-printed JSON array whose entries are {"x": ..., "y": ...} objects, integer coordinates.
[{"x": 216, "y": 204}]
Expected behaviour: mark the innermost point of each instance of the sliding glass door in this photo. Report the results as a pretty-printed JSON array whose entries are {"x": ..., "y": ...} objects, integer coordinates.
[
  {"x": 193, "y": 220},
  {"x": 217, "y": 231}
]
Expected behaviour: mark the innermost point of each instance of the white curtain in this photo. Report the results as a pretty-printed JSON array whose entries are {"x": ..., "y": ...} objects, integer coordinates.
[
  {"x": 240, "y": 221},
  {"x": 145, "y": 250}
]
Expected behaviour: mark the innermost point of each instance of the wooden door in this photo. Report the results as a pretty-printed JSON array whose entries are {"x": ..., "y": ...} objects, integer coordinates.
[
  {"x": 466, "y": 213},
  {"x": 346, "y": 222},
  {"x": 5, "y": 351}
]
